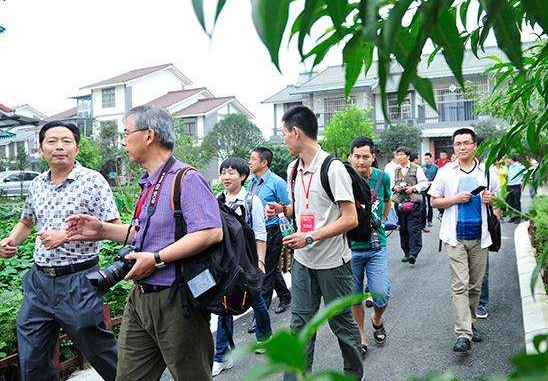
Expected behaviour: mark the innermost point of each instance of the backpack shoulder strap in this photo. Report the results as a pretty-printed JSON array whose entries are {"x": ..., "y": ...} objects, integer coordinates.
[
  {"x": 249, "y": 209},
  {"x": 379, "y": 181},
  {"x": 176, "y": 190},
  {"x": 292, "y": 179},
  {"x": 324, "y": 176}
]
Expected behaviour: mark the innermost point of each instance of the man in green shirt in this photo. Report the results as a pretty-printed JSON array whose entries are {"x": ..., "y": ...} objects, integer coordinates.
[{"x": 370, "y": 258}]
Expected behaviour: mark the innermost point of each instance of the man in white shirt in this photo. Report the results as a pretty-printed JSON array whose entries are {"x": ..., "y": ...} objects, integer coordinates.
[
  {"x": 408, "y": 182},
  {"x": 322, "y": 265},
  {"x": 391, "y": 167},
  {"x": 464, "y": 230}
]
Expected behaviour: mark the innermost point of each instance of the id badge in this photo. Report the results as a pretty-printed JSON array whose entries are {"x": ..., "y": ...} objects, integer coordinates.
[{"x": 308, "y": 222}]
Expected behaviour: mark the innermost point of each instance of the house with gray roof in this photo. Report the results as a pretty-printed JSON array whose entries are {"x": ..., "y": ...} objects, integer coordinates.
[{"x": 324, "y": 93}]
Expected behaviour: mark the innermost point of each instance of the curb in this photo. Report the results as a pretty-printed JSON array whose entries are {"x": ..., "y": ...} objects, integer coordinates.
[{"x": 534, "y": 304}]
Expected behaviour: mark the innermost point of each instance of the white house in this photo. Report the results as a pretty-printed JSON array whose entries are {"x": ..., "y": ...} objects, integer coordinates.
[{"x": 324, "y": 93}]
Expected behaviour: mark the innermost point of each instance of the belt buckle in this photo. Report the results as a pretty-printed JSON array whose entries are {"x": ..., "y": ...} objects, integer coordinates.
[{"x": 49, "y": 271}]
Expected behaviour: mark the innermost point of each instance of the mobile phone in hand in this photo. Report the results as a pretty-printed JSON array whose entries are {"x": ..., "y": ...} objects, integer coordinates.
[{"x": 479, "y": 189}]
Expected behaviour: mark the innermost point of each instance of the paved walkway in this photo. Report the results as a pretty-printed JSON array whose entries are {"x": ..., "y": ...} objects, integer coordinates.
[{"x": 419, "y": 322}]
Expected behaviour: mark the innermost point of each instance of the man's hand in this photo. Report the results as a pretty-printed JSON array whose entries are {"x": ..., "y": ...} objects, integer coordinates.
[
  {"x": 296, "y": 240},
  {"x": 261, "y": 267},
  {"x": 272, "y": 209},
  {"x": 409, "y": 190},
  {"x": 462, "y": 197},
  {"x": 144, "y": 265},
  {"x": 84, "y": 226},
  {"x": 397, "y": 188},
  {"x": 52, "y": 239},
  {"x": 7, "y": 247},
  {"x": 487, "y": 197}
]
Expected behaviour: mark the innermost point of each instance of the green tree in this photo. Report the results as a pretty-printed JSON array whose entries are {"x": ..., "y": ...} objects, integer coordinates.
[
  {"x": 400, "y": 135},
  {"x": 89, "y": 155},
  {"x": 234, "y": 135},
  {"x": 188, "y": 149},
  {"x": 21, "y": 158},
  {"x": 108, "y": 144},
  {"x": 281, "y": 159},
  {"x": 487, "y": 129},
  {"x": 344, "y": 127}
]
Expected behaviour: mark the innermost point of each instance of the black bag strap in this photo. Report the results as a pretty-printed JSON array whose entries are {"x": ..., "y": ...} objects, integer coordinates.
[
  {"x": 249, "y": 209},
  {"x": 324, "y": 176},
  {"x": 379, "y": 181}
]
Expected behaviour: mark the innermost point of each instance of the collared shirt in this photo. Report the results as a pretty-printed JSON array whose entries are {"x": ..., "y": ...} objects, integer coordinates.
[
  {"x": 430, "y": 171},
  {"x": 390, "y": 168},
  {"x": 514, "y": 175},
  {"x": 442, "y": 162},
  {"x": 257, "y": 212},
  {"x": 199, "y": 207},
  {"x": 270, "y": 188},
  {"x": 84, "y": 191},
  {"x": 446, "y": 184},
  {"x": 331, "y": 252},
  {"x": 422, "y": 181}
]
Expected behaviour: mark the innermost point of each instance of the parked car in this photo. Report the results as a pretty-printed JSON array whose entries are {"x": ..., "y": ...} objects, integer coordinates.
[{"x": 11, "y": 182}]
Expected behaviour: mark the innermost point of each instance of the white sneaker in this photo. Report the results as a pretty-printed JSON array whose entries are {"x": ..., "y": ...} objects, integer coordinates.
[{"x": 218, "y": 367}]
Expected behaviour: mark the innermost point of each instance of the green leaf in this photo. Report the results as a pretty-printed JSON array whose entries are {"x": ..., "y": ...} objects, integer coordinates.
[
  {"x": 356, "y": 52},
  {"x": 333, "y": 309},
  {"x": 425, "y": 89},
  {"x": 220, "y": 6},
  {"x": 463, "y": 11},
  {"x": 382, "y": 69},
  {"x": 311, "y": 13},
  {"x": 474, "y": 41},
  {"x": 503, "y": 19},
  {"x": 265, "y": 370},
  {"x": 446, "y": 34},
  {"x": 433, "y": 54},
  {"x": 329, "y": 375},
  {"x": 337, "y": 10},
  {"x": 285, "y": 348},
  {"x": 539, "y": 10},
  {"x": 393, "y": 22},
  {"x": 321, "y": 49},
  {"x": 270, "y": 19},
  {"x": 198, "y": 6}
]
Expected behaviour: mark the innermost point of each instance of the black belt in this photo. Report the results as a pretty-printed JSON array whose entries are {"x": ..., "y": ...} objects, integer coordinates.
[
  {"x": 65, "y": 270},
  {"x": 148, "y": 288}
]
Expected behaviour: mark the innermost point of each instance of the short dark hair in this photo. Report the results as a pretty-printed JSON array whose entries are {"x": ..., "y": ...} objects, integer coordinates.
[
  {"x": 57, "y": 123},
  {"x": 304, "y": 118},
  {"x": 265, "y": 154},
  {"x": 463, "y": 131},
  {"x": 428, "y": 154},
  {"x": 443, "y": 151},
  {"x": 237, "y": 164},
  {"x": 362, "y": 141},
  {"x": 404, "y": 149},
  {"x": 413, "y": 156}
]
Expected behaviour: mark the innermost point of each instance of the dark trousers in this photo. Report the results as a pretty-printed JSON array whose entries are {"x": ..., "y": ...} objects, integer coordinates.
[
  {"x": 428, "y": 207},
  {"x": 514, "y": 197},
  {"x": 484, "y": 297},
  {"x": 273, "y": 279},
  {"x": 69, "y": 302},
  {"x": 410, "y": 231}
]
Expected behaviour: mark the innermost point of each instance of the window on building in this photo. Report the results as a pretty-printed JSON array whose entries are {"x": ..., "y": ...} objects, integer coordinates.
[
  {"x": 190, "y": 127},
  {"x": 287, "y": 106},
  {"x": 2, "y": 152},
  {"x": 397, "y": 112},
  {"x": 454, "y": 104},
  {"x": 332, "y": 105},
  {"x": 108, "y": 97},
  {"x": 12, "y": 150},
  {"x": 84, "y": 107}
]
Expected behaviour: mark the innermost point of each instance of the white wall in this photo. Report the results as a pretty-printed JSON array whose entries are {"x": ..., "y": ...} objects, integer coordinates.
[
  {"x": 187, "y": 102},
  {"x": 153, "y": 86},
  {"x": 119, "y": 103}
]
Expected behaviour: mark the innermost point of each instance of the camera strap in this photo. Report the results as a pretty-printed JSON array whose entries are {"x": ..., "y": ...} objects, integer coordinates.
[{"x": 153, "y": 201}]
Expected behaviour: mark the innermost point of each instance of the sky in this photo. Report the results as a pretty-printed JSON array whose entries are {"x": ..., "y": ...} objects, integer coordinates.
[{"x": 52, "y": 48}]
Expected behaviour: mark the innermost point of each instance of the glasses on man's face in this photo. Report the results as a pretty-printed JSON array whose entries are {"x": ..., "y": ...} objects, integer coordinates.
[
  {"x": 460, "y": 144},
  {"x": 127, "y": 133}
]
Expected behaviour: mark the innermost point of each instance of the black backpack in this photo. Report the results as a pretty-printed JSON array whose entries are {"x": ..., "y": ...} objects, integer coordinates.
[
  {"x": 232, "y": 263},
  {"x": 362, "y": 197}
]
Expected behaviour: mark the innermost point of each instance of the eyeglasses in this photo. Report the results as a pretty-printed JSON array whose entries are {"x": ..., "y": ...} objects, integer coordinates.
[
  {"x": 460, "y": 144},
  {"x": 127, "y": 133}
]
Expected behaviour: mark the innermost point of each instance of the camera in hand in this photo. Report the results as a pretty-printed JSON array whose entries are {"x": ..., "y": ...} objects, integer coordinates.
[
  {"x": 375, "y": 225},
  {"x": 106, "y": 278}
]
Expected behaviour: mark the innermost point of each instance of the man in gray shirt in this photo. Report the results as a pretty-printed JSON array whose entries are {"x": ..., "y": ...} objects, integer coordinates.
[{"x": 57, "y": 294}]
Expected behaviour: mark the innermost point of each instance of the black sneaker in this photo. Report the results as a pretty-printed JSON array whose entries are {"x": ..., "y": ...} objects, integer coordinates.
[
  {"x": 282, "y": 307},
  {"x": 476, "y": 336},
  {"x": 412, "y": 260},
  {"x": 462, "y": 345},
  {"x": 252, "y": 327}
]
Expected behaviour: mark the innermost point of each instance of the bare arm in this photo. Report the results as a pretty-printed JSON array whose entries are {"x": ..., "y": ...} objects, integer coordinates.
[
  {"x": 387, "y": 206},
  {"x": 261, "y": 253},
  {"x": 21, "y": 231}
]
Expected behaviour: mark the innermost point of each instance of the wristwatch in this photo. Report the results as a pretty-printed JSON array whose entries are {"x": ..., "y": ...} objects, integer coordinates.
[
  {"x": 159, "y": 264},
  {"x": 309, "y": 239}
]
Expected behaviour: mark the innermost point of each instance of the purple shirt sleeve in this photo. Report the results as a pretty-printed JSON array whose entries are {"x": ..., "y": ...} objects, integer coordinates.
[{"x": 199, "y": 206}]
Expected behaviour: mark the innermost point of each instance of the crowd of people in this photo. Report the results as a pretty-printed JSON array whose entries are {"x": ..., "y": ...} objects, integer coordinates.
[{"x": 73, "y": 208}]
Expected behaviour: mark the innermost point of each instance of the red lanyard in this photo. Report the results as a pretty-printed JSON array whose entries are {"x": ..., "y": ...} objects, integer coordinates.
[
  {"x": 306, "y": 189},
  {"x": 141, "y": 202}
]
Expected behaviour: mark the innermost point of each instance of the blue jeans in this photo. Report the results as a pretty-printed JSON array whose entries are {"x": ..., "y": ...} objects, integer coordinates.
[
  {"x": 262, "y": 332},
  {"x": 484, "y": 297},
  {"x": 374, "y": 264}
]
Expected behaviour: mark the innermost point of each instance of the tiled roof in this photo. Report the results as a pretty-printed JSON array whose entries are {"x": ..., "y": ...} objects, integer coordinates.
[
  {"x": 173, "y": 97},
  {"x": 284, "y": 96},
  {"x": 130, "y": 75},
  {"x": 203, "y": 106},
  {"x": 63, "y": 115}
]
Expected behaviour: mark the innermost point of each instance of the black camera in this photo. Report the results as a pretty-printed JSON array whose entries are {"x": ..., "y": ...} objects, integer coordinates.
[{"x": 109, "y": 276}]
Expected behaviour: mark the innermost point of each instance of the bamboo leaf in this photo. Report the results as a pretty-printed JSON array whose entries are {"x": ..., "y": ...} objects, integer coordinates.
[
  {"x": 425, "y": 89},
  {"x": 311, "y": 13},
  {"x": 337, "y": 10},
  {"x": 382, "y": 69},
  {"x": 503, "y": 19},
  {"x": 446, "y": 34},
  {"x": 220, "y": 6},
  {"x": 198, "y": 6},
  {"x": 474, "y": 40},
  {"x": 330, "y": 375},
  {"x": 265, "y": 370},
  {"x": 321, "y": 49},
  {"x": 463, "y": 12},
  {"x": 539, "y": 10},
  {"x": 392, "y": 24},
  {"x": 356, "y": 52},
  {"x": 433, "y": 55},
  {"x": 270, "y": 19}
]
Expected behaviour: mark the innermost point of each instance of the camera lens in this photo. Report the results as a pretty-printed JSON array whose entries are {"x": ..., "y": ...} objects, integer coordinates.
[{"x": 109, "y": 276}]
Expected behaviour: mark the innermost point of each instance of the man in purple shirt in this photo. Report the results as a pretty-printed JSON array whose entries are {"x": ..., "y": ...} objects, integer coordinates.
[{"x": 154, "y": 332}]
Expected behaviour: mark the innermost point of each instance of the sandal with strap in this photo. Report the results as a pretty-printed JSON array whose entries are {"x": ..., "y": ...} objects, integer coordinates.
[{"x": 379, "y": 333}]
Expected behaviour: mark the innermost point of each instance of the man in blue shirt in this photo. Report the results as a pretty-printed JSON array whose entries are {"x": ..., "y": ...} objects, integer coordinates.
[
  {"x": 270, "y": 188},
  {"x": 516, "y": 172}
]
